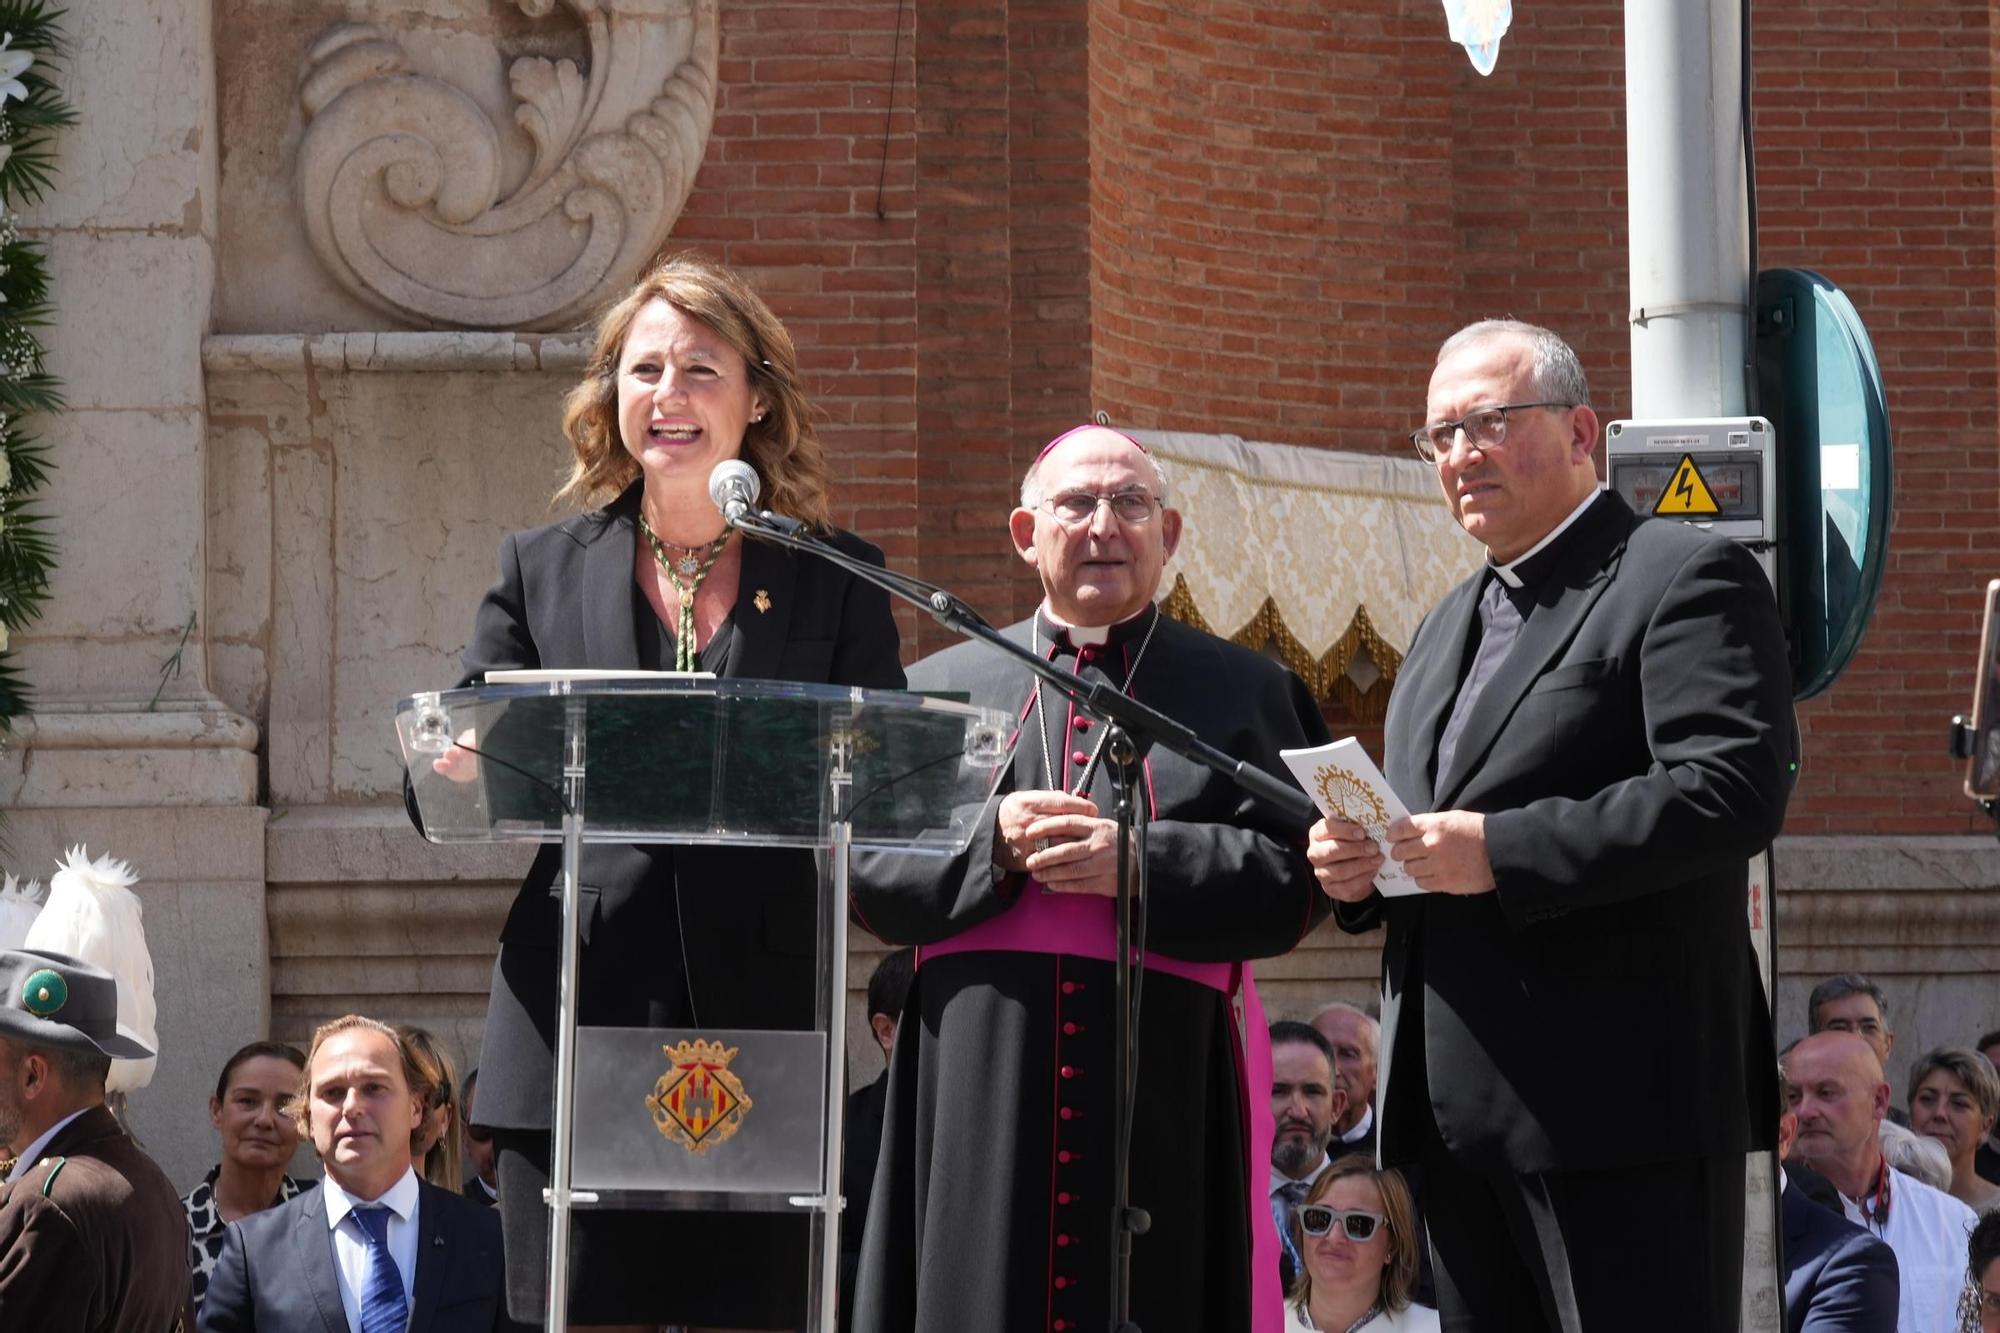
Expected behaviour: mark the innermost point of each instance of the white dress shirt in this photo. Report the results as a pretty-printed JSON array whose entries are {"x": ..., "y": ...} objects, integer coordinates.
[
  {"x": 1927, "y": 1229},
  {"x": 1361, "y": 1126},
  {"x": 34, "y": 1152},
  {"x": 352, "y": 1257}
]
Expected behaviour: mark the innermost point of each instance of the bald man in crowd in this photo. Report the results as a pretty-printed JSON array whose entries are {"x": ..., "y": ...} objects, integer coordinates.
[{"x": 1837, "y": 1090}]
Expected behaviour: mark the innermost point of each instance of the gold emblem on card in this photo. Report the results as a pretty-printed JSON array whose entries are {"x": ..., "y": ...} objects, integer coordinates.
[
  {"x": 698, "y": 1102},
  {"x": 1346, "y": 795}
]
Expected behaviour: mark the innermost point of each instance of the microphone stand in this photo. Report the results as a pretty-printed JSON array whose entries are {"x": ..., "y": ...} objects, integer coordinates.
[{"x": 1135, "y": 729}]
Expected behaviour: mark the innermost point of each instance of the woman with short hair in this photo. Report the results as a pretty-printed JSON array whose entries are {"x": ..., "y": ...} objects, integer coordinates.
[
  {"x": 1357, "y": 1233},
  {"x": 1955, "y": 1098}
]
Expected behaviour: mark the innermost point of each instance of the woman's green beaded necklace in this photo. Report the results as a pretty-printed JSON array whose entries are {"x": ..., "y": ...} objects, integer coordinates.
[{"x": 686, "y": 657}]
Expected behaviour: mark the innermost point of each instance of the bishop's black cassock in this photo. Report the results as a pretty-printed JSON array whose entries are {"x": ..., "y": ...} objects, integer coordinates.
[{"x": 991, "y": 1211}]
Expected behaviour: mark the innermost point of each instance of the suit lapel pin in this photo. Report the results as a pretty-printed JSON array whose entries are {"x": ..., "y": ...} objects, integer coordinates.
[{"x": 762, "y": 601}]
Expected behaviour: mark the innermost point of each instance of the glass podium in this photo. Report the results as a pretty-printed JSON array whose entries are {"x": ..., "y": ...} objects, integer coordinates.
[{"x": 713, "y": 1119}]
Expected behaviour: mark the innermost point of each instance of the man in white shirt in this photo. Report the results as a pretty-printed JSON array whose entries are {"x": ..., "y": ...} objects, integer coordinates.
[
  {"x": 391, "y": 1252},
  {"x": 1355, "y": 1038},
  {"x": 1838, "y": 1091},
  {"x": 1305, "y": 1104}
]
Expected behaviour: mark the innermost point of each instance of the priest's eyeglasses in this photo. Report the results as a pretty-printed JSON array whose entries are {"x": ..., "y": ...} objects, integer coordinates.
[
  {"x": 1317, "y": 1220},
  {"x": 1073, "y": 509},
  {"x": 1484, "y": 427}
]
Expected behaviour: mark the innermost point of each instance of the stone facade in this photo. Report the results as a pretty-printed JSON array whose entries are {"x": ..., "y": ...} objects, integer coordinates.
[{"x": 982, "y": 221}]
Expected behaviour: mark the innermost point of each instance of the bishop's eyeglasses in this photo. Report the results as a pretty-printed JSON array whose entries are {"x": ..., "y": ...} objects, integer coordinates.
[
  {"x": 1485, "y": 427},
  {"x": 1073, "y": 509}
]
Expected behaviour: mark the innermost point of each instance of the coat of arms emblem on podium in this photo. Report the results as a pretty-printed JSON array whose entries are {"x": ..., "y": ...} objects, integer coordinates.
[{"x": 698, "y": 1102}]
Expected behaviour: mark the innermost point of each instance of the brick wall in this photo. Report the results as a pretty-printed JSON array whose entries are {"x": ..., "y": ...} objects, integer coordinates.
[
  {"x": 1875, "y": 164},
  {"x": 1263, "y": 219},
  {"x": 809, "y": 188},
  {"x": 1270, "y": 213}
]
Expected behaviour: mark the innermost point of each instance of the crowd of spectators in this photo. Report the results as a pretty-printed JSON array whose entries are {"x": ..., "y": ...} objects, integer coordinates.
[
  {"x": 1884, "y": 1223},
  {"x": 1891, "y": 1214}
]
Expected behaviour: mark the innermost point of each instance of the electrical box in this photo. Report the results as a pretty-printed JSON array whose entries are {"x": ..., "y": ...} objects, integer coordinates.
[{"x": 1719, "y": 473}]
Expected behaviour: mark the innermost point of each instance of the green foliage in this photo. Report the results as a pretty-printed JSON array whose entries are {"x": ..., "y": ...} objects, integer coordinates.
[{"x": 30, "y": 115}]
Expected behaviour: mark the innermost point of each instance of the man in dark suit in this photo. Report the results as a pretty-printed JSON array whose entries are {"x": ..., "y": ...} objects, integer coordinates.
[
  {"x": 1306, "y": 1104},
  {"x": 92, "y": 1235},
  {"x": 482, "y": 1186},
  {"x": 1851, "y": 1002},
  {"x": 1838, "y": 1278},
  {"x": 1596, "y": 730},
  {"x": 861, "y": 1139},
  {"x": 375, "y": 1249},
  {"x": 1356, "y": 1040}
]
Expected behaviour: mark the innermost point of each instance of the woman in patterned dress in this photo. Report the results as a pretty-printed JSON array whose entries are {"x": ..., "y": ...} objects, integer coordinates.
[{"x": 258, "y": 1138}]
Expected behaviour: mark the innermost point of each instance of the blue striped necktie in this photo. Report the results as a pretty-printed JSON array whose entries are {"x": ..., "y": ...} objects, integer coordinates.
[
  {"x": 384, "y": 1309},
  {"x": 1284, "y": 1204}
]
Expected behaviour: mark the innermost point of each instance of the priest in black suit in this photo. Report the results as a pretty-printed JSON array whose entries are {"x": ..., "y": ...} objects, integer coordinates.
[{"x": 1597, "y": 731}]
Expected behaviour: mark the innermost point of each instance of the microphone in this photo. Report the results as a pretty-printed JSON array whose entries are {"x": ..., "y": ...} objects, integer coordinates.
[{"x": 734, "y": 488}]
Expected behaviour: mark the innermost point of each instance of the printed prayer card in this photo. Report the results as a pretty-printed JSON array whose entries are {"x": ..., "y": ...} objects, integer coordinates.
[{"x": 1344, "y": 782}]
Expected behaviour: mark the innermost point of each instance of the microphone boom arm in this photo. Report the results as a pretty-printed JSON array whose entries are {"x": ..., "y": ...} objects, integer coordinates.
[{"x": 1147, "y": 726}]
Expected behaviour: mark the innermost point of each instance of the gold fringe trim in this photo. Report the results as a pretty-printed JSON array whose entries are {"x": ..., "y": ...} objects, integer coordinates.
[{"x": 1326, "y": 675}]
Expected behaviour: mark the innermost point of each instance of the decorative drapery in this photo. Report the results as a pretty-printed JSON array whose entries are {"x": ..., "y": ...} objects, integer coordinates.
[{"x": 1327, "y": 559}]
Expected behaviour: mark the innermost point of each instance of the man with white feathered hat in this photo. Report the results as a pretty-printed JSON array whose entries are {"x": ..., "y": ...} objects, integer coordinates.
[{"x": 92, "y": 1236}]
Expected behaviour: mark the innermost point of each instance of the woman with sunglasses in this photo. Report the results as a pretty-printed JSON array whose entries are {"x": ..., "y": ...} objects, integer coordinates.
[{"x": 1357, "y": 1231}]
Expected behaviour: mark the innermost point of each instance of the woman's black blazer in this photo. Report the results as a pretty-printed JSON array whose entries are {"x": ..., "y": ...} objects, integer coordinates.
[{"x": 673, "y": 936}]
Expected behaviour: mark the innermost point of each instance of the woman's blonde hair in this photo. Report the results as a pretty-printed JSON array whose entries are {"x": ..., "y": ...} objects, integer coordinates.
[
  {"x": 783, "y": 447},
  {"x": 1399, "y": 1276},
  {"x": 441, "y": 1165}
]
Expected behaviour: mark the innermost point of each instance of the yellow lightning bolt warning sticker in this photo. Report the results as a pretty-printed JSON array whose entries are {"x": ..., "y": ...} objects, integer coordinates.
[{"x": 1687, "y": 493}]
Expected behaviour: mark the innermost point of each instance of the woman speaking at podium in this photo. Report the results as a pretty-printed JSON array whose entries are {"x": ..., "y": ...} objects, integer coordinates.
[{"x": 689, "y": 369}]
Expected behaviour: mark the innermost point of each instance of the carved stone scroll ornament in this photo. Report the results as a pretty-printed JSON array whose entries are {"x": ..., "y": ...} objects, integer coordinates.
[{"x": 400, "y": 173}]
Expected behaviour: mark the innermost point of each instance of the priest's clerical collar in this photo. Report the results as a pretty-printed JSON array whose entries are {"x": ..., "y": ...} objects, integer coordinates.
[
  {"x": 1523, "y": 568},
  {"x": 1084, "y": 636}
]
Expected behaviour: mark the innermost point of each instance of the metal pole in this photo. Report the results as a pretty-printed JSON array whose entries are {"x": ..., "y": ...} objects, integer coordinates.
[
  {"x": 1688, "y": 207},
  {"x": 822, "y": 1316},
  {"x": 558, "y": 1195},
  {"x": 1688, "y": 198}
]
